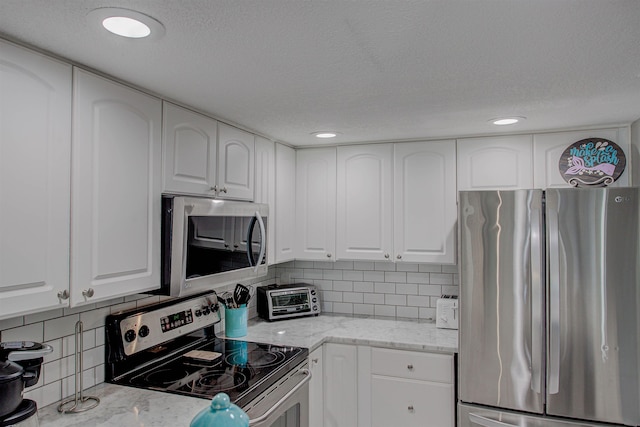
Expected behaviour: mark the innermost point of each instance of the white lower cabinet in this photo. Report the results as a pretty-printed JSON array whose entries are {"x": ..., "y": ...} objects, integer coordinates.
[
  {"x": 411, "y": 389},
  {"x": 378, "y": 387},
  {"x": 340, "y": 385},
  {"x": 316, "y": 398}
]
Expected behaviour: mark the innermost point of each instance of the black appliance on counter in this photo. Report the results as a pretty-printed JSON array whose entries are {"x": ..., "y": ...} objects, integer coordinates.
[
  {"x": 171, "y": 347},
  {"x": 20, "y": 364}
]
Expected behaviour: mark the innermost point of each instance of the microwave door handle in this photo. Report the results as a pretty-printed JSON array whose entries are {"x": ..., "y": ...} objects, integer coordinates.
[
  {"x": 263, "y": 242},
  {"x": 250, "y": 229}
]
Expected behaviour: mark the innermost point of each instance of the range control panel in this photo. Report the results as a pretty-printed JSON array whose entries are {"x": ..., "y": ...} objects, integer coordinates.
[{"x": 147, "y": 329}]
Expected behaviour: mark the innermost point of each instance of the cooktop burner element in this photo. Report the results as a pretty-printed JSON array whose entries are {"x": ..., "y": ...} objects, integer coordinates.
[{"x": 189, "y": 359}]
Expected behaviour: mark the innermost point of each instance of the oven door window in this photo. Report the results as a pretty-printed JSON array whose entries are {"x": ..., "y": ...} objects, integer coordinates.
[{"x": 217, "y": 244}]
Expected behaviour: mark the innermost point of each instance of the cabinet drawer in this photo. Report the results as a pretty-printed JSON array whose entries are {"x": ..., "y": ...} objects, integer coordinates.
[
  {"x": 409, "y": 403},
  {"x": 412, "y": 365}
]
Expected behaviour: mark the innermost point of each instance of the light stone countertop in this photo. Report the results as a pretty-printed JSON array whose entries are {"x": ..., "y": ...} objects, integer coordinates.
[{"x": 122, "y": 406}]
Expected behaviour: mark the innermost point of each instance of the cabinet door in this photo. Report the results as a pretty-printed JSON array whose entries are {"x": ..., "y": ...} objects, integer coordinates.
[
  {"x": 189, "y": 147},
  {"x": 316, "y": 401},
  {"x": 285, "y": 218},
  {"x": 409, "y": 403},
  {"x": 364, "y": 202},
  {"x": 425, "y": 202},
  {"x": 35, "y": 156},
  {"x": 340, "y": 385},
  {"x": 316, "y": 204},
  {"x": 266, "y": 188},
  {"x": 236, "y": 150},
  {"x": 548, "y": 147},
  {"x": 116, "y": 185},
  {"x": 495, "y": 163}
]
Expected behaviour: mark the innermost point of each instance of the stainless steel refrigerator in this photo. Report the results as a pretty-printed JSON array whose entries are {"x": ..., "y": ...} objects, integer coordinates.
[{"x": 549, "y": 308}]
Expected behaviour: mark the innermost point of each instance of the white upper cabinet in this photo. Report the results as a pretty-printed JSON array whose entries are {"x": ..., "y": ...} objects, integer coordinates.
[
  {"x": 316, "y": 204},
  {"x": 116, "y": 190},
  {"x": 491, "y": 163},
  {"x": 35, "y": 153},
  {"x": 266, "y": 187},
  {"x": 365, "y": 202},
  {"x": 548, "y": 147},
  {"x": 236, "y": 167},
  {"x": 189, "y": 142},
  {"x": 425, "y": 202},
  {"x": 285, "y": 218},
  {"x": 206, "y": 158}
]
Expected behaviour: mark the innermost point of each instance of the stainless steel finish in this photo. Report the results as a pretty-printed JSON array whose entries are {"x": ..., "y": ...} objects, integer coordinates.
[
  {"x": 474, "y": 416},
  {"x": 291, "y": 306},
  {"x": 263, "y": 242},
  {"x": 596, "y": 305},
  {"x": 87, "y": 293},
  {"x": 553, "y": 302},
  {"x": 183, "y": 207},
  {"x": 63, "y": 294},
  {"x": 386, "y": 256},
  {"x": 17, "y": 356},
  {"x": 293, "y": 390},
  {"x": 496, "y": 331},
  {"x": 537, "y": 299},
  {"x": 79, "y": 402}
]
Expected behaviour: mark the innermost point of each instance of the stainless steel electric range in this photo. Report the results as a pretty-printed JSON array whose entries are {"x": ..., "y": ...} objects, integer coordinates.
[{"x": 172, "y": 347}]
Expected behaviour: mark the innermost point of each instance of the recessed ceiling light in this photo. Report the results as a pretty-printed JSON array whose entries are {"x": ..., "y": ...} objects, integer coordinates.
[
  {"x": 325, "y": 134},
  {"x": 126, "y": 27},
  {"x": 126, "y": 23},
  {"x": 503, "y": 121}
]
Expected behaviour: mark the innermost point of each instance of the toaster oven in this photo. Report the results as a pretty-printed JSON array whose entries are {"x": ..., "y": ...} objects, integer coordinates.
[{"x": 286, "y": 301}]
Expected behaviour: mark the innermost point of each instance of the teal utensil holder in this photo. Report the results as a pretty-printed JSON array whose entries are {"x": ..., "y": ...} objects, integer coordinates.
[
  {"x": 235, "y": 322},
  {"x": 221, "y": 413}
]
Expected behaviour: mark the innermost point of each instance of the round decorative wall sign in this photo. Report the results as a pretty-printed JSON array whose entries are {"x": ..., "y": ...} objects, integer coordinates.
[{"x": 592, "y": 162}]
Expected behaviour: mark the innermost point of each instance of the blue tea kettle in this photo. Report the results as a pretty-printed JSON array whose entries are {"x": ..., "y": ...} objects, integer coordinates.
[{"x": 221, "y": 413}]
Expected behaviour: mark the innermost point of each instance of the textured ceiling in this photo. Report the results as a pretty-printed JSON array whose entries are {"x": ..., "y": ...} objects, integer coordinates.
[{"x": 372, "y": 70}]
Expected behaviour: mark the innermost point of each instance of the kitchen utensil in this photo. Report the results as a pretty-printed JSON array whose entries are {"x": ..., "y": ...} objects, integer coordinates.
[
  {"x": 229, "y": 301},
  {"x": 242, "y": 294}
]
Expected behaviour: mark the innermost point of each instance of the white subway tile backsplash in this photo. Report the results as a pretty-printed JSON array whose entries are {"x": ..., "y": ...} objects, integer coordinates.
[
  {"x": 395, "y": 276},
  {"x": 12, "y": 322},
  {"x": 95, "y": 319},
  {"x": 343, "y": 286},
  {"x": 33, "y": 332},
  {"x": 45, "y": 315},
  {"x": 392, "y": 299},
  {"x": 407, "y": 290},
  {"x": 385, "y": 288},
  {"x": 363, "y": 286},
  {"x": 374, "y": 276},
  {"x": 60, "y": 327},
  {"x": 363, "y": 265},
  {"x": 385, "y": 266},
  {"x": 45, "y": 395}
]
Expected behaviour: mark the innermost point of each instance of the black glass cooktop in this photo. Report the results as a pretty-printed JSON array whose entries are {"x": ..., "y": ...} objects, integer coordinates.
[{"x": 243, "y": 370}]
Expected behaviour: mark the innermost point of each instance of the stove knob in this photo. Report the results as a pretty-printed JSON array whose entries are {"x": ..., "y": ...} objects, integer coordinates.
[
  {"x": 315, "y": 308},
  {"x": 130, "y": 335},
  {"x": 205, "y": 310},
  {"x": 144, "y": 331},
  {"x": 214, "y": 307},
  {"x": 313, "y": 291}
]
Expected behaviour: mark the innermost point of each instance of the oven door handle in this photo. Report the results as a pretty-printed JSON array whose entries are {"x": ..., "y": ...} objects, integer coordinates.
[{"x": 256, "y": 421}]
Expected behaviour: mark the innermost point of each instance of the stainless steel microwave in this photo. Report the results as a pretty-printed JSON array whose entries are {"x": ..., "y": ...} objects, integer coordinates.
[{"x": 208, "y": 242}]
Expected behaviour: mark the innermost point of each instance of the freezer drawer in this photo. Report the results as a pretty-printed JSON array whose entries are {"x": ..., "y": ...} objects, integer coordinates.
[{"x": 477, "y": 416}]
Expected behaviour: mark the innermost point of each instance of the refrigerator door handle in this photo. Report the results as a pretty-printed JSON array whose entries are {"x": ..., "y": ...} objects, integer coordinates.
[
  {"x": 554, "y": 303},
  {"x": 487, "y": 422},
  {"x": 536, "y": 301}
]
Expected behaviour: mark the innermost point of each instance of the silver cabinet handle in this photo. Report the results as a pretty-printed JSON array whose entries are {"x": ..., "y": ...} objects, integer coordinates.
[
  {"x": 87, "y": 293},
  {"x": 410, "y": 408},
  {"x": 410, "y": 367},
  {"x": 214, "y": 188},
  {"x": 328, "y": 255},
  {"x": 487, "y": 422},
  {"x": 223, "y": 190},
  {"x": 315, "y": 361},
  {"x": 386, "y": 256},
  {"x": 63, "y": 294},
  {"x": 399, "y": 257},
  {"x": 261, "y": 418}
]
